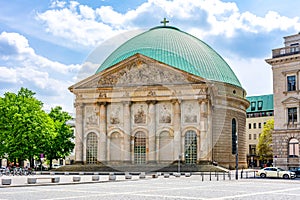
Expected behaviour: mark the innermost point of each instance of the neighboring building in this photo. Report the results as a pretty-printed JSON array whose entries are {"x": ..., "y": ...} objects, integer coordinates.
[
  {"x": 261, "y": 110},
  {"x": 286, "y": 81},
  {"x": 161, "y": 96}
]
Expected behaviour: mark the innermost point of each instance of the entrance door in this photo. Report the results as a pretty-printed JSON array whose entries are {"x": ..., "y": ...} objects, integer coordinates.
[
  {"x": 190, "y": 147},
  {"x": 140, "y": 148}
]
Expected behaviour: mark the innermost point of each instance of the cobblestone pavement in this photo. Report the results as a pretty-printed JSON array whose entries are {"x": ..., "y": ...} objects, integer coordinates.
[{"x": 171, "y": 188}]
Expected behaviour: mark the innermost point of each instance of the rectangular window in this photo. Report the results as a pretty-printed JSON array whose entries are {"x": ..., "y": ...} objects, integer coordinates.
[
  {"x": 249, "y": 136},
  {"x": 254, "y": 136},
  {"x": 259, "y": 105},
  {"x": 249, "y": 125},
  {"x": 259, "y": 125},
  {"x": 254, "y": 125},
  {"x": 253, "y": 105},
  {"x": 252, "y": 149},
  {"x": 292, "y": 115},
  {"x": 291, "y": 83}
]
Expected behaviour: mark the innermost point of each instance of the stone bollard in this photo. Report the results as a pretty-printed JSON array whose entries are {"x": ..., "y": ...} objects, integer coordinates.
[
  {"x": 31, "y": 180},
  {"x": 142, "y": 175},
  {"x": 55, "y": 180},
  {"x": 67, "y": 173},
  {"x": 166, "y": 175},
  {"x": 187, "y": 174},
  {"x": 112, "y": 177},
  {"x": 177, "y": 175},
  {"x": 6, "y": 181},
  {"x": 127, "y": 175},
  {"x": 154, "y": 175},
  {"x": 76, "y": 178},
  {"x": 95, "y": 178}
]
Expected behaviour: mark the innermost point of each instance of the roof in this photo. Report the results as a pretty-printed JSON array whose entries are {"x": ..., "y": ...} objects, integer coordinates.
[
  {"x": 178, "y": 49},
  {"x": 260, "y": 103}
]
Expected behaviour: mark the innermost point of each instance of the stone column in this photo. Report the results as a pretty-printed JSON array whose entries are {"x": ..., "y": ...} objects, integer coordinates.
[
  {"x": 152, "y": 131},
  {"x": 204, "y": 139},
  {"x": 177, "y": 129},
  {"x": 127, "y": 131},
  {"x": 103, "y": 135},
  {"x": 79, "y": 133}
]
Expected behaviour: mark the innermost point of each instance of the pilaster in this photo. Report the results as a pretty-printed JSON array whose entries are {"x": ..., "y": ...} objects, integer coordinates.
[
  {"x": 152, "y": 131},
  {"x": 127, "y": 131},
  {"x": 177, "y": 129},
  {"x": 79, "y": 133},
  {"x": 104, "y": 149}
]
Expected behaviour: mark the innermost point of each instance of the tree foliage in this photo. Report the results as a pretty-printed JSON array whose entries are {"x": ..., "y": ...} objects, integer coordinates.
[
  {"x": 26, "y": 131},
  {"x": 61, "y": 144},
  {"x": 264, "y": 147}
]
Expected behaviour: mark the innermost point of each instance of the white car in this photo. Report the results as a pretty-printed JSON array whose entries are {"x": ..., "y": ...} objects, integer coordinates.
[
  {"x": 55, "y": 166},
  {"x": 275, "y": 172}
]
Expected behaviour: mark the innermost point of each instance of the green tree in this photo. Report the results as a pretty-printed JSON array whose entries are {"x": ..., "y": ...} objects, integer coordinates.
[
  {"x": 61, "y": 144},
  {"x": 25, "y": 129},
  {"x": 264, "y": 147}
]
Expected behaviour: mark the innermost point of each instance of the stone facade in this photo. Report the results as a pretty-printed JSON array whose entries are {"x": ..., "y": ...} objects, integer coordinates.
[
  {"x": 142, "y": 111},
  {"x": 286, "y": 70}
]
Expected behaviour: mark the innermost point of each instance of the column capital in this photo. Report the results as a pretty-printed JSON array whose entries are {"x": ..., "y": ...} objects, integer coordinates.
[
  {"x": 129, "y": 103},
  {"x": 151, "y": 102},
  {"x": 173, "y": 101},
  {"x": 102, "y": 103},
  {"x": 202, "y": 101},
  {"x": 78, "y": 105}
]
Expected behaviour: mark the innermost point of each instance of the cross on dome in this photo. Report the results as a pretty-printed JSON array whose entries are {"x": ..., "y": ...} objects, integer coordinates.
[{"x": 165, "y": 21}]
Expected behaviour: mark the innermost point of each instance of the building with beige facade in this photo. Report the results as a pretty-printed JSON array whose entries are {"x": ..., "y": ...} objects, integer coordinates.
[
  {"x": 261, "y": 110},
  {"x": 285, "y": 64},
  {"x": 161, "y": 96}
]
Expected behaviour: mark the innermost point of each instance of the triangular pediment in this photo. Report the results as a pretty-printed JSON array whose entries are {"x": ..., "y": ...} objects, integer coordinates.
[
  {"x": 138, "y": 70},
  {"x": 291, "y": 100}
]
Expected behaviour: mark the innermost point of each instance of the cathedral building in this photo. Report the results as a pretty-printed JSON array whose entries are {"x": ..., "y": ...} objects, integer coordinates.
[{"x": 160, "y": 97}]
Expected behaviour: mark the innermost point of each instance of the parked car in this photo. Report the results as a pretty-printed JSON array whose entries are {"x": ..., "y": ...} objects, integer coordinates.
[
  {"x": 39, "y": 168},
  {"x": 296, "y": 170},
  {"x": 275, "y": 172},
  {"x": 55, "y": 166}
]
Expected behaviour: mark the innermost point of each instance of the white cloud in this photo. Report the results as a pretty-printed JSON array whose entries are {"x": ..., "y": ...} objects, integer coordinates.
[
  {"x": 87, "y": 26},
  {"x": 23, "y": 68},
  {"x": 255, "y": 75},
  {"x": 14, "y": 44},
  {"x": 15, "y": 47},
  {"x": 57, "y": 4},
  {"x": 8, "y": 75}
]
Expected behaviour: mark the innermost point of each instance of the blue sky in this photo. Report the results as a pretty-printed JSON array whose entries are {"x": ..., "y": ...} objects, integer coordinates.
[{"x": 44, "y": 45}]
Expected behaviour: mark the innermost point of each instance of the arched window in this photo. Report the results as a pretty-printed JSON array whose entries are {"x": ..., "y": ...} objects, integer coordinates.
[
  {"x": 140, "y": 148},
  {"x": 91, "y": 148},
  {"x": 190, "y": 147},
  {"x": 293, "y": 148},
  {"x": 233, "y": 136}
]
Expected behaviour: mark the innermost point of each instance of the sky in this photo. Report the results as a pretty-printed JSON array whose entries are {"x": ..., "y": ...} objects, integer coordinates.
[{"x": 45, "y": 45}]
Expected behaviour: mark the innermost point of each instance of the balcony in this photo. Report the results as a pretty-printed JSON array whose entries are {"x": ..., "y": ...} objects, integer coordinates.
[{"x": 286, "y": 51}]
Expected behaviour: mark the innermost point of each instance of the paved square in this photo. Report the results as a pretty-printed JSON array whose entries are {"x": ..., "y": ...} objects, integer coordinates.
[{"x": 161, "y": 188}]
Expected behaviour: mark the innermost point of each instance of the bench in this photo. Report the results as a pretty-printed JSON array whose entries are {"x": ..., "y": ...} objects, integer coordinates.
[{"x": 33, "y": 180}]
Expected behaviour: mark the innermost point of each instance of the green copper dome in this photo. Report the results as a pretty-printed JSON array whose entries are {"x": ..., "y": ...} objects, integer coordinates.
[{"x": 176, "y": 48}]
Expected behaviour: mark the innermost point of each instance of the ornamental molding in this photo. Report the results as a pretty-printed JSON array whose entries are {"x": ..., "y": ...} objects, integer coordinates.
[{"x": 138, "y": 70}]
